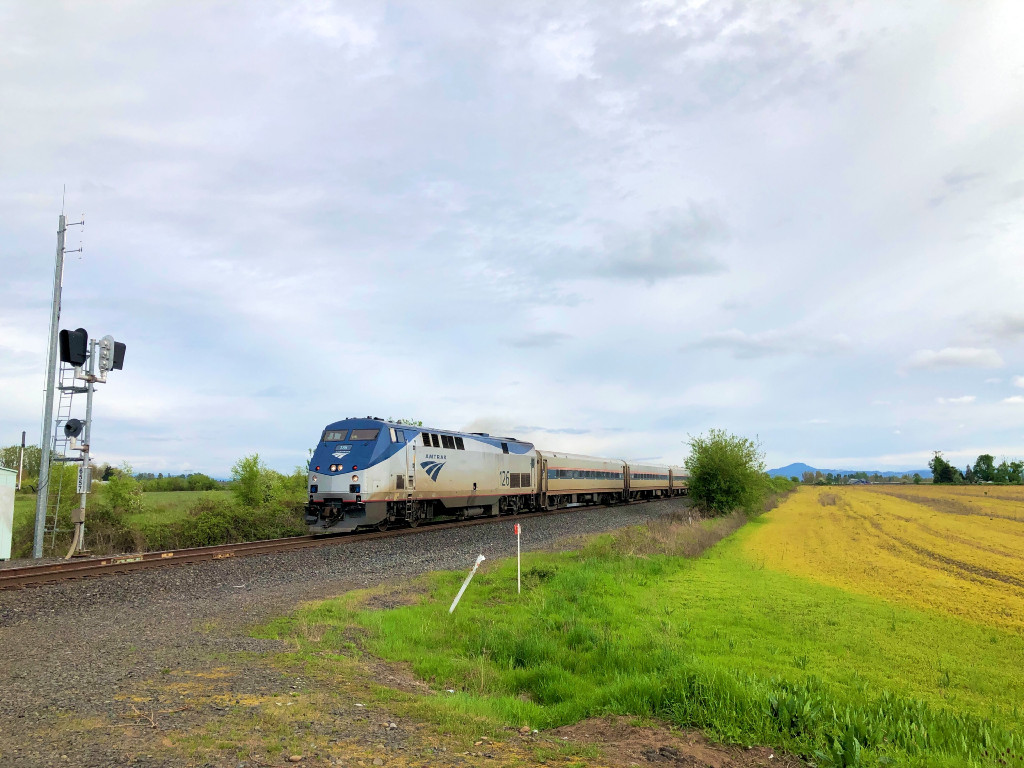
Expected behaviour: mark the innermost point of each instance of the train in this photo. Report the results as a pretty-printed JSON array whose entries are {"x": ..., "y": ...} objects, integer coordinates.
[{"x": 374, "y": 473}]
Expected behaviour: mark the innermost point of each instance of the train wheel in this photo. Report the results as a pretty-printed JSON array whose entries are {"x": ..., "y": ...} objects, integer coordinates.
[
  {"x": 414, "y": 521},
  {"x": 382, "y": 525}
]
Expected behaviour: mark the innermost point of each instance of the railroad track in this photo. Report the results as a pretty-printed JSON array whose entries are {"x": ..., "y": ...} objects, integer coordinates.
[{"x": 37, "y": 575}]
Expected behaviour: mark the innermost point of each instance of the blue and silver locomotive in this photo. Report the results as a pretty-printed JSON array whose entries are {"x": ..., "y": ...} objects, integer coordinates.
[
  {"x": 374, "y": 473},
  {"x": 370, "y": 472}
]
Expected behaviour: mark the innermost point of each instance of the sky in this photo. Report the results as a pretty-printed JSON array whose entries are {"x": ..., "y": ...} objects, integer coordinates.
[{"x": 600, "y": 227}]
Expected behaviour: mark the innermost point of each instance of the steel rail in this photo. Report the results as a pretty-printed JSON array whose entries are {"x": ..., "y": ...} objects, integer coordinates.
[{"x": 37, "y": 575}]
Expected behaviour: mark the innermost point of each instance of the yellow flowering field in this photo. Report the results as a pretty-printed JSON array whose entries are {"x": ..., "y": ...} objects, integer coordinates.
[{"x": 954, "y": 550}]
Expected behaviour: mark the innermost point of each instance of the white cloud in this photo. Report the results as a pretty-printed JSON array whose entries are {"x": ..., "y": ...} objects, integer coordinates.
[
  {"x": 464, "y": 211},
  {"x": 995, "y": 380},
  {"x": 771, "y": 343},
  {"x": 956, "y": 357},
  {"x": 962, "y": 400},
  {"x": 1015, "y": 399},
  {"x": 1018, "y": 381}
]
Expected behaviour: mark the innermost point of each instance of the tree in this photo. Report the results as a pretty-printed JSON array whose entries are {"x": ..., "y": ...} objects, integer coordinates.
[
  {"x": 985, "y": 468},
  {"x": 794, "y": 478},
  {"x": 726, "y": 472},
  {"x": 407, "y": 422},
  {"x": 1016, "y": 472},
  {"x": 969, "y": 476},
  {"x": 942, "y": 471},
  {"x": 917, "y": 478},
  {"x": 808, "y": 477},
  {"x": 9, "y": 459}
]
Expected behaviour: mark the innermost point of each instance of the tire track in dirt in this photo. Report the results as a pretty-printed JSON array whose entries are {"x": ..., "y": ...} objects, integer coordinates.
[
  {"x": 956, "y": 567},
  {"x": 950, "y": 506}
]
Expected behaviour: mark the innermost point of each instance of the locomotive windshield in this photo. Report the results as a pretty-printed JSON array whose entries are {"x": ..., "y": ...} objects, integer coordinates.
[
  {"x": 364, "y": 434},
  {"x": 333, "y": 435}
]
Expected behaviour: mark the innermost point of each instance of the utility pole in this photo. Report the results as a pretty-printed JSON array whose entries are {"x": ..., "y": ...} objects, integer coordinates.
[
  {"x": 42, "y": 491},
  {"x": 21, "y": 461},
  {"x": 46, "y": 432}
]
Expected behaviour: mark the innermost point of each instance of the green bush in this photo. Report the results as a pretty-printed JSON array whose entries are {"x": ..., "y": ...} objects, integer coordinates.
[
  {"x": 123, "y": 492},
  {"x": 221, "y": 521},
  {"x": 727, "y": 473},
  {"x": 252, "y": 482}
]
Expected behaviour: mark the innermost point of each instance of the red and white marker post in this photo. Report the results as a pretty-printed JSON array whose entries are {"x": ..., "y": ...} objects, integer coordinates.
[{"x": 519, "y": 565}]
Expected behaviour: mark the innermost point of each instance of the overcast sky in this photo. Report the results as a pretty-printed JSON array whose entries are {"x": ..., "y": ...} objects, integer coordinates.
[{"x": 599, "y": 227}]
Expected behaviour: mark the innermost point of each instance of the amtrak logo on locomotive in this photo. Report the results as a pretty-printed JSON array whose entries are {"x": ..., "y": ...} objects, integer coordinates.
[{"x": 432, "y": 468}]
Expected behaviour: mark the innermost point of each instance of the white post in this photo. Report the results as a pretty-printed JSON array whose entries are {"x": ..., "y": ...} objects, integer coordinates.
[
  {"x": 519, "y": 563},
  {"x": 479, "y": 559}
]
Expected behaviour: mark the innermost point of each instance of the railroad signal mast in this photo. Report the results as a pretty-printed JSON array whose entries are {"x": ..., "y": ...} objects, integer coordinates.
[{"x": 82, "y": 360}]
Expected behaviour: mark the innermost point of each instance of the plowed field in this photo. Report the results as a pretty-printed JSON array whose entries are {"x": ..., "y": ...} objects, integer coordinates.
[{"x": 956, "y": 550}]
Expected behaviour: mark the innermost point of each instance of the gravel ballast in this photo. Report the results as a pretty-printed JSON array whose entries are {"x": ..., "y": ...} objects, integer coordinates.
[{"x": 70, "y": 647}]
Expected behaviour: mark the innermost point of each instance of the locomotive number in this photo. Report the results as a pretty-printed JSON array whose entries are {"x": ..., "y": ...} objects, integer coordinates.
[{"x": 504, "y": 478}]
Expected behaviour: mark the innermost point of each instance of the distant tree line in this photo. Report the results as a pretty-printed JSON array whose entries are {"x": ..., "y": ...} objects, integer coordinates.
[
  {"x": 984, "y": 470},
  {"x": 842, "y": 478}
]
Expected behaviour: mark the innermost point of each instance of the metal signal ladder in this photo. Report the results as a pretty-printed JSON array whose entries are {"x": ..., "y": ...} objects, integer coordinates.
[{"x": 59, "y": 446}]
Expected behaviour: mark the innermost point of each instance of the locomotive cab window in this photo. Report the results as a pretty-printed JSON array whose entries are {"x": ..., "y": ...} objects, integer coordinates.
[
  {"x": 364, "y": 434},
  {"x": 504, "y": 447},
  {"x": 334, "y": 435}
]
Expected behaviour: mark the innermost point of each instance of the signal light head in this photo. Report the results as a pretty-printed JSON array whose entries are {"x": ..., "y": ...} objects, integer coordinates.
[{"x": 74, "y": 347}]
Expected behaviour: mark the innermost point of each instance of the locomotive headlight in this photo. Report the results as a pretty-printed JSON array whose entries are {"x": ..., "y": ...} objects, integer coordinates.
[
  {"x": 355, "y": 478},
  {"x": 333, "y": 467}
]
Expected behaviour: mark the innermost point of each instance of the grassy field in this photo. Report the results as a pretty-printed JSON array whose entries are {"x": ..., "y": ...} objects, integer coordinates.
[
  {"x": 167, "y": 520},
  {"x": 855, "y": 629}
]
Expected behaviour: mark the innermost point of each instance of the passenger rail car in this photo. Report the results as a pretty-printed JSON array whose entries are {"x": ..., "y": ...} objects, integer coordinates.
[{"x": 373, "y": 473}]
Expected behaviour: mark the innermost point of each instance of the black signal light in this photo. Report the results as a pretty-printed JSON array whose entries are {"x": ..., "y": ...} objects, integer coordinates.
[
  {"x": 74, "y": 347},
  {"x": 118, "y": 356}
]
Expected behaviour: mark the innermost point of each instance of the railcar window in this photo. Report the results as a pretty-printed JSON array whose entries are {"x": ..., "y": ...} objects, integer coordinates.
[
  {"x": 459, "y": 444},
  {"x": 504, "y": 447},
  {"x": 364, "y": 434},
  {"x": 331, "y": 435},
  {"x": 552, "y": 474}
]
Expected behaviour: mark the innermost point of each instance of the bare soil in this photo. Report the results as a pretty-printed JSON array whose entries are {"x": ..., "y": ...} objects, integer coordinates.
[{"x": 622, "y": 742}]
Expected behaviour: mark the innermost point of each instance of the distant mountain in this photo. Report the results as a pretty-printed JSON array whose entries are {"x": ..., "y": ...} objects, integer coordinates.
[{"x": 799, "y": 468}]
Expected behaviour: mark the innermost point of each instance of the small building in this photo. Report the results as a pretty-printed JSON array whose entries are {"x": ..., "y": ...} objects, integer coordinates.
[{"x": 8, "y": 482}]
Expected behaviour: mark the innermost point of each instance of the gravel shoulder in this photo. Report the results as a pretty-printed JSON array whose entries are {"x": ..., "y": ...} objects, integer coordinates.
[{"x": 113, "y": 670}]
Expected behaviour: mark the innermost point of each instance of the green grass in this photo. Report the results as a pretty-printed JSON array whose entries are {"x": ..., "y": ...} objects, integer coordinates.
[
  {"x": 717, "y": 642},
  {"x": 168, "y": 520},
  {"x": 163, "y": 507}
]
